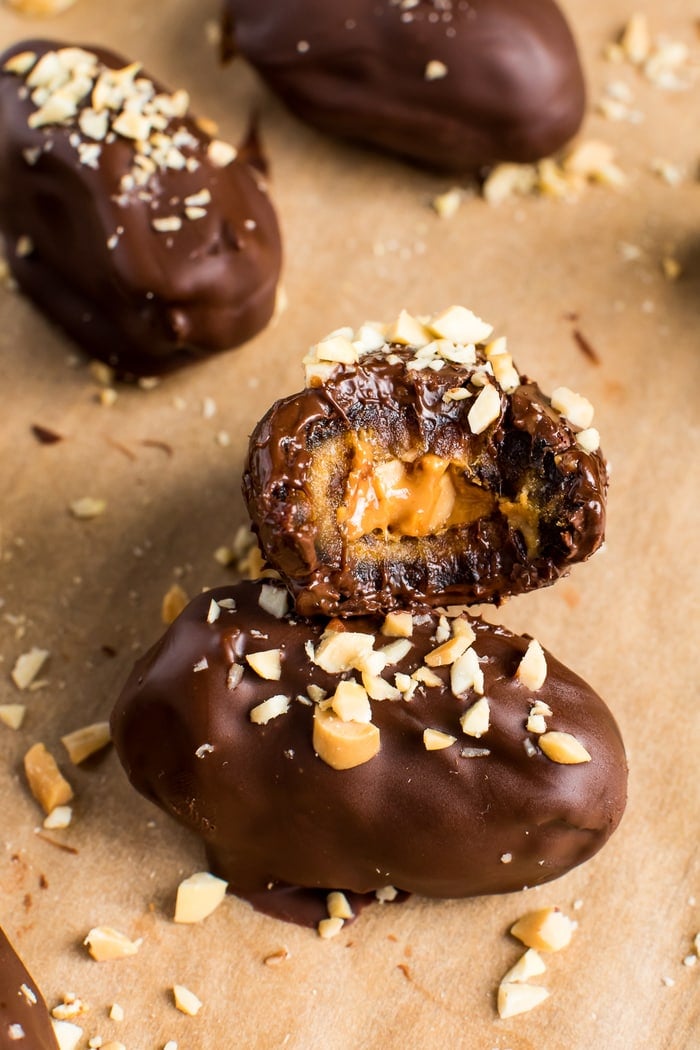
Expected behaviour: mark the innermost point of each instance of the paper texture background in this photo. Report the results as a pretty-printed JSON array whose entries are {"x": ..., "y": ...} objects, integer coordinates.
[{"x": 361, "y": 241}]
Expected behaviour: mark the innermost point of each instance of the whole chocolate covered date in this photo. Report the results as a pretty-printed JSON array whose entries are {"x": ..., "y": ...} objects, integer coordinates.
[
  {"x": 451, "y": 84},
  {"x": 418, "y": 466},
  {"x": 127, "y": 223},
  {"x": 24, "y": 1017},
  {"x": 357, "y": 755}
]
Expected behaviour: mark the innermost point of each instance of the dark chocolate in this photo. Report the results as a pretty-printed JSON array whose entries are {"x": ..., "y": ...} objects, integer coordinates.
[
  {"x": 486, "y": 815},
  {"x": 447, "y": 83},
  {"x": 543, "y": 495},
  {"x": 79, "y": 198},
  {"x": 25, "y": 1023}
]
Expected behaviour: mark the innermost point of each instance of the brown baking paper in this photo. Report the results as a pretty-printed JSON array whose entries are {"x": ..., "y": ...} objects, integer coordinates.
[{"x": 362, "y": 241}]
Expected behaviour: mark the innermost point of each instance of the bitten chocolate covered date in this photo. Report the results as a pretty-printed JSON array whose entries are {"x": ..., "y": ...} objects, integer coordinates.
[
  {"x": 434, "y": 754},
  {"x": 145, "y": 238},
  {"x": 451, "y": 84},
  {"x": 24, "y": 1017},
  {"x": 418, "y": 466}
]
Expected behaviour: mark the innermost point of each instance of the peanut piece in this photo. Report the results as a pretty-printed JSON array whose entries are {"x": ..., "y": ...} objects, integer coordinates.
[
  {"x": 351, "y": 702},
  {"x": 546, "y": 930},
  {"x": 46, "y": 782},
  {"x": 564, "y": 749},
  {"x": 186, "y": 1001},
  {"x": 105, "y": 943},
  {"x": 84, "y": 742},
  {"x": 343, "y": 745},
  {"x": 516, "y": 999},
  {"x": 435, "y": 740},
  {"x": 532, "y": 669},
  {"x": 267, "y": 664},
  {"x": 198, "y": 896}
]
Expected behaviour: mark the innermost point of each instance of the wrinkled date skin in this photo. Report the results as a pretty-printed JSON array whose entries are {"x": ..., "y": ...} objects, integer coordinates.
[
  {"x": 453, "y": 86},
  {"x": 280, "y": 824},
  {"x": 78, "y": 214}
]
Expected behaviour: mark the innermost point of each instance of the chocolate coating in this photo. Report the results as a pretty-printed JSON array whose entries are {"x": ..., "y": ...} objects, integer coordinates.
[
  {"x": 23, "y": 1022},
  {"x": 513, "y": 87},
  {"x": 77, "y": 215},
  {"x": 528, "y": 459},
  {"x": 272, "y": 814}
]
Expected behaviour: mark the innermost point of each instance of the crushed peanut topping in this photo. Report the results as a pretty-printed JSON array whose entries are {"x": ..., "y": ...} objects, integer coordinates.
[
  {"x": 275, "y": 706},
  {"x": 46, "y": 782},
  {"x": 27, "y": 667},
  {"x": 532, "y": 669},
  {"x": 88, "y": 740},
  {"x": 436, "y": 740},
  {"x": 339, "y": 906},
  {"x": 455, "y": 336},
  {"x": 198, "y": 896},
  {"x": 330, "y": 927},
  {"x": 546, "y": 930},
  {"x": 475, "y": 720},
  {"x": 105, "y": 943},
  {"x": 71, "y": 87},
  {"x": 186, "y": 1001},
  {"x": 564, "y": 748},
  {"x": 514, "y": 999},
  {"x": 267, "y": 664},
  {"x": 174, "y": 601}
]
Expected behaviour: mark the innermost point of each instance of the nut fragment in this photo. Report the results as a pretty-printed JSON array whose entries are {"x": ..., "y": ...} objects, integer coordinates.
[
  {"x": 271, "y": 708},
  {"x": 105, "y": 943},
  {"x": 344, "y": 745},
  {"x": 532, "y": 669},
  {"x": 564, "y": 748},
  {"x": 87, "y": 507},
  {"x": 338, "y": 906},
  {"x": 350, "y": 702},
  {"x": 40, "y": 9},
  {"x": 174, "y": 601},
  {"x": 274, "y": 600},
  {"x": 28, "y": 665},
  {"x": 68, "y": 1035},
  {"x": 86, "y": 741},
  {"x": 529, "y": 965},
  {"x": 460, "y": 325},
  {"x": 485, "y": 410},
  {"x": 435, "y": 70},
  {"x": 341, "y": 651},
  {"x": 475, "y": 720},
  {"x": 12, "y": 715},
  {"x": 267, "y": 664},
  {"x": 516, "y": 999},
  {"x": 58, "y": 818},
  {"x": 330, "y": 927},
  {"x": 436, "y": 740},
  {"x": 577, "y": 409},
  {"x": 408, "y": 331},
  {"x": 198, "y": 896},
  {"x": 448, "y": 652},
  {"x": 186, "y": 1001},
  {"x": 46, "y": 782},
  {"x": 466, "y": 674},
  {"x": 546, "y": 930}
]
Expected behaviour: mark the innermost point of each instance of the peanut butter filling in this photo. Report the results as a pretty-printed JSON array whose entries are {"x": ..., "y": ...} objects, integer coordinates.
[{"x": 414, "y": 496}]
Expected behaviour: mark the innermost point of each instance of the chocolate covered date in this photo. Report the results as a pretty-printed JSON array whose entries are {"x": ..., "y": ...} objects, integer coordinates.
[
  {"x": 24, "y": 1017},
  {"x": 419, "y": 466},
  {"x": 450, "y": 84},
  {"x": 434, "y": 754},
  {"x": 142, "y": 236}
]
